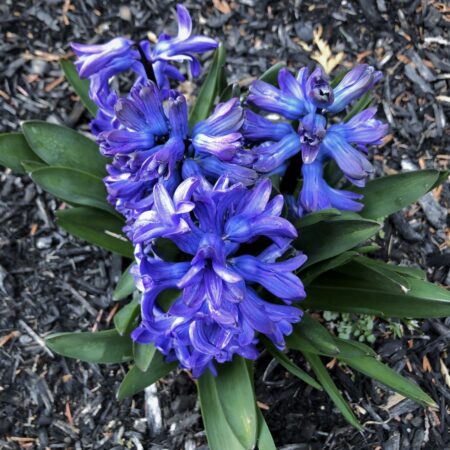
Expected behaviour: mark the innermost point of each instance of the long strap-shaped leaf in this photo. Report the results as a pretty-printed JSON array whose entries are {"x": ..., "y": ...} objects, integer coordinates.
[
  {"x": 125, "y": 286},
  {"x": 209, "y": 90},
  {"x": 73, "y": 186},
  {"x": 97, "y": 227},
  {"x": 341, "y": 293},
  {"x": 330, "y": 238},
  {"x": 100, "y": 347},
  {"x": 14, "y": 149},
  {"x": 289, "y": 365},
  {"x": 81, "y": 87},
  {"x": 229, "y": 407},
  {"x": 378, "y": 371},
  {"x": 389, "y": 194},
  {"x": 265, "y": 439},
  {"x": 136, "y": 380},
  {"x": 61, "y": 146},
  {"x": 331, "y": 388}
]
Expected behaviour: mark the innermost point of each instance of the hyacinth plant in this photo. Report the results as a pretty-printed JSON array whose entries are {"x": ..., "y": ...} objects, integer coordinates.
[{"x": 241, "y": 217}]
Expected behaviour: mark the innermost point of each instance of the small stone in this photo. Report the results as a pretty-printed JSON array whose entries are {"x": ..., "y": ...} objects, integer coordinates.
[
  {"x": 381, "y": 5},
  {"x": 432, "y": 18},
  {"x": 404, "y": 228},
  {"x": 304, "y": 31},
  {"x": 44, "y": 242},
  {"x": 125, "y": 13},
  {"x": 39, "y": 67},
  {"x": 393, "y": 443},
  {"x": 435, "y": 213},
  {"x": 447, "y": 280},
  {"x": 140, "y": 425}
]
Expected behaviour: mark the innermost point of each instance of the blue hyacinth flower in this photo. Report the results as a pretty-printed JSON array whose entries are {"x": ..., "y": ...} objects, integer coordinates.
[
  {"x": 309, "y": 98},
  {"x": 100, "y": 63},
  {"x": 151, "y": 142},
  {"x": 219, "y": 309}
]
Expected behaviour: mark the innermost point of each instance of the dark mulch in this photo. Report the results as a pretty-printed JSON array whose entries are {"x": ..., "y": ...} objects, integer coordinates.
[{"x": 51, "y": 282}]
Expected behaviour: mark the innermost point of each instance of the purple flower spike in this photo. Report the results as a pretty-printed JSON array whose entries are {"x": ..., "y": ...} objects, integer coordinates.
[
  {"x": 273, "y": 155},
  {"x": 269, "y": 98},
  {"x": 102, "y": 62},
  {"x": 180, "y": 48},
  {"x": 147, "y": 145},
  {"x": 257, "y": 128},
  {"x": 310, "y": 99},
  {"x": 217, "y": 312}
]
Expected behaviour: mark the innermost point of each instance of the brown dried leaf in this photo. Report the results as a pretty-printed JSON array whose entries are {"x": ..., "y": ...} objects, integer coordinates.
[
  {"x": 323, "y": 55},
  {"x": 444, "y": 372},
  {"x": 222, "y": 6}
]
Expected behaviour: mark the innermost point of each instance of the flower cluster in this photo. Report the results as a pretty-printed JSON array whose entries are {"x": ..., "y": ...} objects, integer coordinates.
[
  {"x": 218, "y": 307},
  {"x": 152, "y": 144},
  {"x": 309, "y": 99},
  {"x": 206, "y": 190},
  {"x": 100, "y": 63}
]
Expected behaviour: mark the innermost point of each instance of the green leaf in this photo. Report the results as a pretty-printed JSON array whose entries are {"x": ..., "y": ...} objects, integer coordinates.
[
  {"x": 442, "y": 178},
  {"x": 299, "y": 340},
  {"x": 411, "y": 272},
  {"x": 378, "y": 371},
  {"x": 352, "y": 349},
  {"x": 143, "y": 355},
  {"x": 337, "y": 292},
  {"x": 229, "y": 407},
  {"x": 14, "y": 149},
  {"x": 376, "y": 271},
  {"x": 332, "y": 173},
  {"x": 338, "y": 78},
  {"x": 209, "y": 90},
  {"x": 271, "y": 74},
  {"x": 365, "y": 249},
  {"x": 125, "y": 285},
  {"x": 216, "y": 425},
  {"x": 289, "y": 365},
  {"x": 136, "y": 380},
  {"x": 316, "y": 217},
  {"x": 362, "y": 104},
  {"x": 313, "y": 331},
  {"x": 29, "y": 166},
  {"x": 331, "y": 389},
  {"x": 81, "y": 87},
  {"x": 231, "y": 91},
  {"x": 318, "y": 269},
  {"x": 265, "y": 439},
  {"x": 97, "y": 227},
  {"x": 73, "y": 186},
  {"x": 326, "y": 239},
  {"x": 389, "y": 194},
  {"x": 60, "y": 146},
  {"x": 125, "y": 317},
  {"x": 100, "y": 347}
]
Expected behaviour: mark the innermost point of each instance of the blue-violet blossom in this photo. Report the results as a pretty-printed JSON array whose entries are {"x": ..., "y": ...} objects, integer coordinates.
[
  {"x": 151, "y": 142},
  {"x": 100, "y": 63},
  {"x": 309, "y": 98},
  {"x": 220, "y": 307}
]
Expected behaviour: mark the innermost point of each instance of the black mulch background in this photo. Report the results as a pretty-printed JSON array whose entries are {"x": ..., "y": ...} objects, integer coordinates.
[{"x": 51, "y": 282}]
